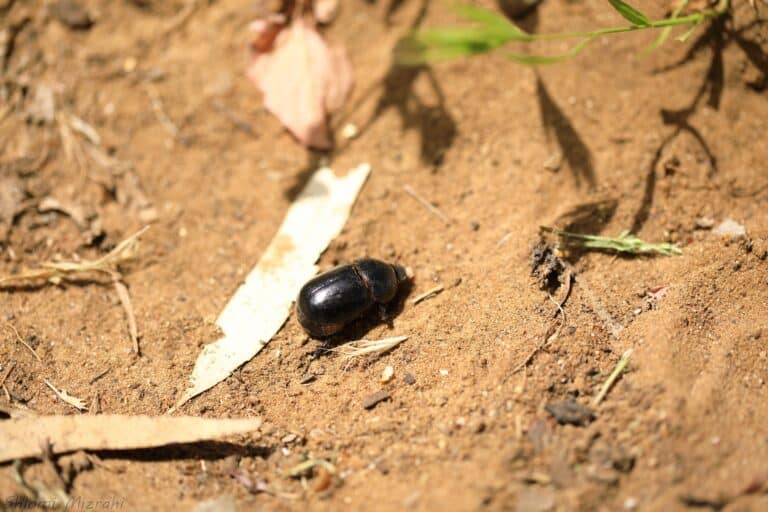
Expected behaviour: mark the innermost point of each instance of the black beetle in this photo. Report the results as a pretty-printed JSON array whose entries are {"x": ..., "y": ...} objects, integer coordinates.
[{"x": 333, "y": 299}]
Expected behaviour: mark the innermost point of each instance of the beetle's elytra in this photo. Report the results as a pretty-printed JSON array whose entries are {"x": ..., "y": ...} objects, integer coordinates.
[{"x": 333, "y": 299}]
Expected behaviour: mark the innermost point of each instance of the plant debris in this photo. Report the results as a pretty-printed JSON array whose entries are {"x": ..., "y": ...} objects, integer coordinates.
[
  {"x": 66, "y": 397},
  {"x": 625, "y": 242},
  {"x": 428, "y": 294},
  {"x": 21, "y": 436},
  {"x": 426, "y": 204},
  {"x": 364, "y": 347},
  {"x": 303, "y": 79},
  {"x": 546, "y": 265},
  {"x": 57, "y": 271},
  {"x": 304, "y": 468},
  {"x": 620, "y": 367}
]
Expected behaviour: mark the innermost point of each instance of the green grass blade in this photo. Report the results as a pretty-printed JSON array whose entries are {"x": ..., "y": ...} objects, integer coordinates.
[
  {"x": 535, "y": 60},
  {"x": 685, "y": 35},
  {"x": 486, "y": 17},
  {"x": 666, "y": 31},
  {"x": 656, "y": 44},
  {"x": 625, "y": 242},
  {"x": 433, "y": 45},
  {"x": 630, "y": 13}
]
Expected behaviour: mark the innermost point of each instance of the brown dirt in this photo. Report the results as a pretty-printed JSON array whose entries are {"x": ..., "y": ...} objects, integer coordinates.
[{"x": 650, "y": 143}]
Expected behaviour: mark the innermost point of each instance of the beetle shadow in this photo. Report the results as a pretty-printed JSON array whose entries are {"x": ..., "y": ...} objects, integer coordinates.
[
  {"x": 710, "y": 92},
  {"x": 557, "y": 126}
]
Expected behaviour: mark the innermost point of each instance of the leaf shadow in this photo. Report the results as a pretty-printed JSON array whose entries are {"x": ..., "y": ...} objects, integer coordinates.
[
  {"x": 202, "y": 450},
  {"x": 437, "y": 128},
  {"x": 557, "y": 126}
]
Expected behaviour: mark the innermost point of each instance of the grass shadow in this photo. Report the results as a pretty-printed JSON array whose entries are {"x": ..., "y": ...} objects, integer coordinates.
[
  {"x": 710, "y": 92},
  {"x": 585, "y": 218}
]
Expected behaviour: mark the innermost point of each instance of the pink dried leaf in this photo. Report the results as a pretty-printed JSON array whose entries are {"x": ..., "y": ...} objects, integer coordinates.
[{"x": 302, "y": 79}]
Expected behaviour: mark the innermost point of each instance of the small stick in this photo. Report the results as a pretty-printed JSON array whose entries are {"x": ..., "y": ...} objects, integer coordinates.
[
  {"x": 363, "y": 347},
  {"x": 623, "y": 362},
  {"x": 549, "y": 335},
  {"x": 125, "y": 301},
  {"x": 613, "y": 326},
  {"x": 236, "y": 121},
  {"x": 503, "y": 239},
  {"x": 181, "y": 19},
  {"x": 157, "y": 107},
  {"x": 426, "y": 204},
  {"x": 429, "y": 293},
  {"x": 20, "y": 340},
  {"x": 569, "y": 287},
  {"x": 7, "y": 374},
  {"x": 97, "y": 377}
]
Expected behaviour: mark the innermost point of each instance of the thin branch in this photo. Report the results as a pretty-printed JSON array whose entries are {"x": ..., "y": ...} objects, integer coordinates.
[{"x": 426, "y": 204}]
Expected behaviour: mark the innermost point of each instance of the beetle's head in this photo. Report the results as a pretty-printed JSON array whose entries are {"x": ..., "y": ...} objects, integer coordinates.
[{"x": 403, "y": 273}]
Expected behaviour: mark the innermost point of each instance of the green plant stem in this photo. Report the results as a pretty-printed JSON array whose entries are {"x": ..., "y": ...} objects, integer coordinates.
[{"x": 696, "y": 18}]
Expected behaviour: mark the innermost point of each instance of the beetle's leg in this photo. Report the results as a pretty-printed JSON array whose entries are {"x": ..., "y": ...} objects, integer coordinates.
[
  {"x": 384, "y": 316},
  {"x": 322, "y": 349}
]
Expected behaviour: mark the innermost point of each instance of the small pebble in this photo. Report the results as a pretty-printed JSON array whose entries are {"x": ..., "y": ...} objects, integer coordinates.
[
  {"x": 409, "y": 379},
  {"x": 374, "y": 399},
  {"x": 387, "y": 374},
  {"x": 630, "y": 503},
  {"x": 350, "y": 131},
  {"x": 444, "y": 372},
  {"x": 72, "y": 14},
  {"x": 570, "y": 412}
]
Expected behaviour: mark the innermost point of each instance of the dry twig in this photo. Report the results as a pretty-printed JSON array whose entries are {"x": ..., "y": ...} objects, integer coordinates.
[
  {"x": 426, "y": 204},
  {"x": 125, "y": 301},
  {"x": 620, "y": 366},
  {"x": 364, "y": 347},
  {"x": 21, "y": 340},
  {"x": 66, "y": 397},
  {"x": 427, "y": 294},
  {"x": 157, "y": 106},
  {"x": 551, "y": 334},
  {"x": 7, "y": 373},
  {"x": 57, "y": 271}
]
